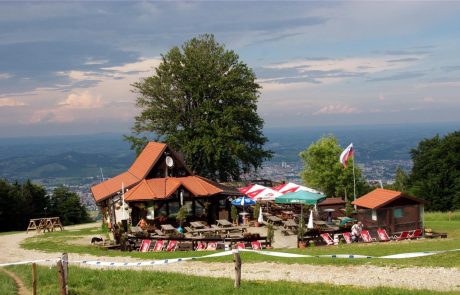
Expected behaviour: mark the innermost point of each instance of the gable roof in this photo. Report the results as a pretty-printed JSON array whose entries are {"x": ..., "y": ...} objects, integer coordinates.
[
  {"x": 380, "y": 197},
  {"x": 331, "y": 201},
  {"x": 163, "y": 188},
  {"x": 111, "y": 186}
]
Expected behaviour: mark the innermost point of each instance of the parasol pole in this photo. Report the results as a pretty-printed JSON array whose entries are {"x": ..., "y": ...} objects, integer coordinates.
[{"x": 354, "y": 179}]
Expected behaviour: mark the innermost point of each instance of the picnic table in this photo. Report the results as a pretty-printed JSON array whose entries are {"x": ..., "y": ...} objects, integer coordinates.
[
  {"x": 287, "y": 214},
  {"x": 224, "y": 223},
  {"x": 167, "y": 228},
  {"x": 274, "y": 219},
  {"x": 45, "y": 224},
  {"x": 197, "y": 224}
]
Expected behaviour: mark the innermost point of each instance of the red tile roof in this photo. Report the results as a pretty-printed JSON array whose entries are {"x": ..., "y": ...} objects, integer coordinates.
[
  {"x": 111, "y": 186},
  {"x": 147, "y": 158},
  {"x": 379, "y": 198},
  {"x": 163, "y": 188},
  {"x": 332, "y": 201}
]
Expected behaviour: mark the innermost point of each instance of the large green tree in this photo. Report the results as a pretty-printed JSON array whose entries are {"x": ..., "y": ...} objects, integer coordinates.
[
  {"x": 436, "y": 172},
  {"x": 323, "y": 170},
  {"x": 202, "y": 101},
  {"x": 66, "y": 205}
]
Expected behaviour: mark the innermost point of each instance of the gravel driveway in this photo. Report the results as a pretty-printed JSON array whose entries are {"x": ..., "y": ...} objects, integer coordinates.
[{"x": 439, "y": 279}]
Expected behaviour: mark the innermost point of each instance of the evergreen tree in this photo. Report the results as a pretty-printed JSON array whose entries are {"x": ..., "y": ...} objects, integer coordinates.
[
  {"x": 66, "y": 205},
  {"x": 202, "y": 101}
]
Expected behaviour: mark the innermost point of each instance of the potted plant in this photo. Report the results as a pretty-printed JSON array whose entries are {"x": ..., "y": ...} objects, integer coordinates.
[
  {"x": 270, "y": 235},
  {"x": 181, "y": 215},
  {"x": 255, "y": 214},
  {"x": 301, "y": 233},
  {"x": 234, "y": 214}
]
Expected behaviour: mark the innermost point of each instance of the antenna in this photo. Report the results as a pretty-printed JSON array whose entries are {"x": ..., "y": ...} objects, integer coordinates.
[
  {"x": 381, "y": 184},
  {"x": 102, "y": 173}
]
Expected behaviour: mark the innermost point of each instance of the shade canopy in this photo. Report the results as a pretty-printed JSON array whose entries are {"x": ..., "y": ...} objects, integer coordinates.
[
  {"x": 259, "y": 192},
  {"x": 292, "y": 187},
  {"x": 243, "y": 201},
  {"x": 300, "y": 197}
]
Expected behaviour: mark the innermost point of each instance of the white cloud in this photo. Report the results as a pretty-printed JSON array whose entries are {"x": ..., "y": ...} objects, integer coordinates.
[
  {"x": 142, "y": 65},
  {"x": 8, "y": 102},
  {"x": 336, "y": 109},
  {"x": 5, "y": 76},
  {"x": 84, "y": 100}
]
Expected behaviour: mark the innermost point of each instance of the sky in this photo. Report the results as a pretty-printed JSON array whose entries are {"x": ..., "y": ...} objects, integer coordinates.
[{"x": 67, "y": 67}]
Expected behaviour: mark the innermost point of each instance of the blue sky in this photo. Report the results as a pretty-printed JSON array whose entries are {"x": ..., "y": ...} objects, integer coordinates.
[{"x": 66, "y": 67}]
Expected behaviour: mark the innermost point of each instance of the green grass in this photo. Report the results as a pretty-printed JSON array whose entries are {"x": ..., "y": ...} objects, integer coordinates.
[
  {"x": 101, "y": 282},
  {"x": 7, "y": 285},
  {"x": 442, "y": 216},
  {"x": 61, "y": 242}
]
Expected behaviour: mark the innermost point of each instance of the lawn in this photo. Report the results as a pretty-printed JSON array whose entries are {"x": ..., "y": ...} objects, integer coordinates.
[
  {"x": 62, "y": 242},
  {"x": 90, "y": 281},
  {"x": 7, "y": 285}
]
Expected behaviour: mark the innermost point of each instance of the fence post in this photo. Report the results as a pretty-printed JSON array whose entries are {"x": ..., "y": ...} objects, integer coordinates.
[
  {"x": 237, "y": 261},
  {"x": 65, "y": 268},
  {"x": 34, "y": 278}
]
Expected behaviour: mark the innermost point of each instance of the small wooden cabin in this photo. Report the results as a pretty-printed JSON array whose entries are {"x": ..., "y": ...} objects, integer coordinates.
[
  {"x": 325, "y": 208},
  {"x": 391, "y": 210}
]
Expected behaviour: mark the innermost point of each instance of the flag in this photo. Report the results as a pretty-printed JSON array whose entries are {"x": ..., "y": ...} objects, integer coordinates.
[{"x": 346, "y": 154}]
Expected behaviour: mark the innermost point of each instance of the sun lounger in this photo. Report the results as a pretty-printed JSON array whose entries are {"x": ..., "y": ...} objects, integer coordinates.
[
  {"x": 145, "y": 246},
  {"x": 256, "y": 245},
  {"x": 383, "y": 235},
  {"x": 200, "y": 246},
  {"x": 366, "y": 236},
  {"x": 159, "y": 244},
  {"x": 416, "y": 234},
  {"x": 212, "y": 246},
  {"x": 347, "y": 238},
  {"x": 402, "y": 236},
  {"x": 327, "y": 238},
  {"x": 240, "y": 246},
  {"x": 171, "y": 246}
]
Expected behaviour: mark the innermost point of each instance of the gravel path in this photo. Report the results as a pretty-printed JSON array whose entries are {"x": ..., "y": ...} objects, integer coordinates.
[{"x": 439, "y": 279}]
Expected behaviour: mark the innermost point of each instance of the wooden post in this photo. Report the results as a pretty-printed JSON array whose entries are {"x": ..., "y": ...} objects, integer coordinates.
[
  {"x": 34, "y": 278},
  {"x": 237, "y": 261},
  {"x": 65, "y": 268}
]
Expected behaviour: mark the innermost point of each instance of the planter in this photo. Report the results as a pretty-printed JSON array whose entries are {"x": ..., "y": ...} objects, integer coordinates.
[{"x": 302, "y": 245}]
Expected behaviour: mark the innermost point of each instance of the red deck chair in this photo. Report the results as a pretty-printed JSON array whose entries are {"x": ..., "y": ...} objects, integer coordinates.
[
  {"x": 347, "y": 237},
  {"x": 256, "y": 245},
  {"x": 327, "y": 238},
  {"x": 212, "y": 246},
  {"x": 404, "y": 235},
  {"x": 383, "y": 235},
  {"x": 240, "y": 246},
  {"x": 159, "y": 244},
  {"x": 416, "y": 234},
  {"x": 366, "y": 236},
  {"x": 200, "y": 246},
  {"x": 171, "y": 246},
  {"x": 145, "y": 246}
]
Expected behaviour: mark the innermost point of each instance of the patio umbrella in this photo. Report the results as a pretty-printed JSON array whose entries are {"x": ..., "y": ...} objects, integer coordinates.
[
  {"x": 243, "y": 201},
  {"x": 261, "y": 217},
  {"x": 310, "y": 220},
  {"x": 346, "y": 220},
  {"x": 300, "y": 197}
]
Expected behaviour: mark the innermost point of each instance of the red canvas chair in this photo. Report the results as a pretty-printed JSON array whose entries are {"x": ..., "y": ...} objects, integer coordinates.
[
  {"x": 327, "y": 238},
  {"x": 403, "y": 236},
  {"x": 212, "y": 246},
  {"x": 171, "y": 246},
  {"x": 159, "y": 244},
  {"x": 347, "y": 238},
  {"x": 416, "y": 234},
  {"x": 366, "y": 236},
  {"x": 256, "y": 245},
  {"x": 200, "y": 246},
  {"x": 383, "y": 235},
  {"x": 145, "y": 246},
  {"x": 240, "y": 246}
]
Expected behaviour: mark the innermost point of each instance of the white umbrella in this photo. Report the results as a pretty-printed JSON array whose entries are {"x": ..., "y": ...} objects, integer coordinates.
[
  {"x": 310, "y": 220},
  {"x": 261, "y": 217}
]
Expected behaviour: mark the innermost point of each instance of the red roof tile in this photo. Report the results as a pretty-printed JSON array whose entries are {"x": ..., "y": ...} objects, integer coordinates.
[
  {"x": 379, "y": 198},
  {"x": 146, "y": 159},
  {"x": 111, "y": 186}
]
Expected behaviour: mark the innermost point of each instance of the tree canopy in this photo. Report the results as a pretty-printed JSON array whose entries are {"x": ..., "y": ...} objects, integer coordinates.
[
  {"x": 202, "y": 101},
  {"x": 323, "y": 170},
  {"x": 435, "y": 174}
]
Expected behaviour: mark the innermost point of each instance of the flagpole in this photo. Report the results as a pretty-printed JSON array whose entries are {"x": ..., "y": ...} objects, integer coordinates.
[
  {"x": 123, "y": 199},
  {"x": 354, "y": 179}
]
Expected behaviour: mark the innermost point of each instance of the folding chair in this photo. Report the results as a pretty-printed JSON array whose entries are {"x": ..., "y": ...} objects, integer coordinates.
[
  {"x": 240, "y": 246},
  {"x": 416, "y": 234},
  {"x": 212, "y": 246},
  {"x": 404, "y": 235},
  {"x": 145, "y": 246},
  {"x": 383, "y": 235},
  {"x": 327, "y": 238},
  {"x": 200, "y": 246},
  {"x": 366, "y": 236},
  {"x": 256, "y": 245},
  {"x": 347, "y": 238},
  {"x": 159, "y": 244},
  {"x": 171, "y": 246}
]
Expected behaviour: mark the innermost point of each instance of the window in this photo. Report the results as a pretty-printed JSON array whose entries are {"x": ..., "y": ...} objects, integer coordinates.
[{"x": 398, "y": 212}]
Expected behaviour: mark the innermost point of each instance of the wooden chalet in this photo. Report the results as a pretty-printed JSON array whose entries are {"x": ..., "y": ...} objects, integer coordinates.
[
  {"x": 156, "y": 185},
  {"x": 391, "y": 210}
]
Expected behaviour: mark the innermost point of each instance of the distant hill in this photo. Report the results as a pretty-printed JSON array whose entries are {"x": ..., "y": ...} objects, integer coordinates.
[{"x": 84, "y": 155}]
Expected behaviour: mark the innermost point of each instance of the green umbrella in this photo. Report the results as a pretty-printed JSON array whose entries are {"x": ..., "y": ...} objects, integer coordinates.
[
  {"x": 300, "y": 197},
  {"x": 346, "y": 220}
]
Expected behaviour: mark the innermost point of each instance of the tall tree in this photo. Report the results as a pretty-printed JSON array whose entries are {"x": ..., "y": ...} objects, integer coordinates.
[
  {"x": 323, "y": 171},
  {"x": 202, "y": 101},
  {"x": 66, "y": 205},
  {"x": 436, "y": 172}
]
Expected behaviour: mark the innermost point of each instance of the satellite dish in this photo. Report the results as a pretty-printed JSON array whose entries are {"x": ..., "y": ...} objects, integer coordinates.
[{"x": 169, "y": 161}]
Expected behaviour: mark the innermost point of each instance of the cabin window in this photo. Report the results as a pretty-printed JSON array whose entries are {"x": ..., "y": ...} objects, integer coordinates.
[{"x": 398, "y": 212}]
